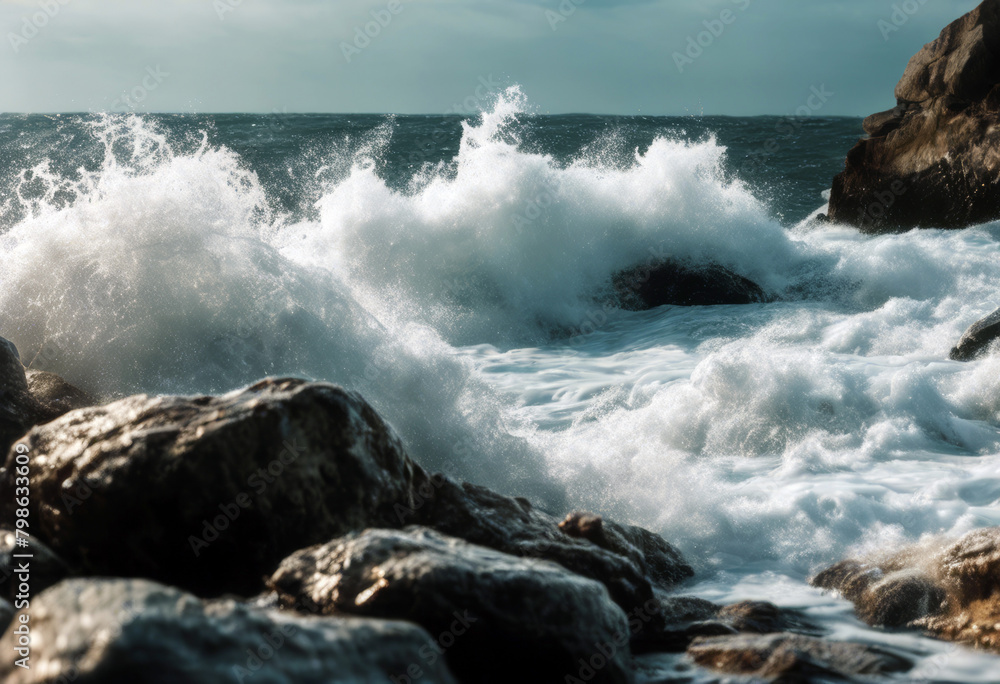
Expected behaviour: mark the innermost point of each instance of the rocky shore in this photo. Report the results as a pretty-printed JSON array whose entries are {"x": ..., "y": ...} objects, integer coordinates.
[
  {"x": 931, "y": 160},
  {"x": 281, "y": 533}
]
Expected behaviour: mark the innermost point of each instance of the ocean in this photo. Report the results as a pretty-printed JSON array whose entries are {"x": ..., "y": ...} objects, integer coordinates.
[{"x": 456, "y": 271}]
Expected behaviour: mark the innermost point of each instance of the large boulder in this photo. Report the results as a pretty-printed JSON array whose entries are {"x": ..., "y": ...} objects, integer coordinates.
[
  {"x": 210, "y": 493},
  {"x": 953, "y": 592},
  {"x": 681, "y": 284},
  {"x": 792, "y": 658},
  {"x": 628, "y": 560},
  {"x": 932, "y": 160},
  {"x": 977, "y": 339},
  {"x": 481, "y": 605},
  {"x": 100, "y": 631}
]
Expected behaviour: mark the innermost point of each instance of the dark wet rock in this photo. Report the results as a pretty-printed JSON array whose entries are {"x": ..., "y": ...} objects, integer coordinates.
[
  {"x": 977, "y": 338},
  {"x": 931, "y": 161},
  {"x": 881, "y": 598},
  {"x": 210, "y": 493},
  {"x": 30, "y": 397},
  {"x": 46, "y": 568},
  {"x": 6, "y": 615},
  {"x": 55, "y": 395},
  {"x": 953, "y": 593},
  {"x": 686, "y": 618},
  {"x": 789, "y": 658},
  {"x": 491, "y": 612},
  {"x": 628, "y": 560},
  {"x": 107, "y": 631},
  {"x": 680, "y": 284}
]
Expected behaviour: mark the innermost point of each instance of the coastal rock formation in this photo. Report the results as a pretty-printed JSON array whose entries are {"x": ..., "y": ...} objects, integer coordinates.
[
  {"x": 680, "y": 284},
  {"x": 6, "y": 615},
  {"x": 99, "y": 631},
  {"x": 481, "y": 605},
  {"x": 210, "y": 493},
  {"x": 953, "y": 592},
  {"x": 977, "y": 338},
  {"x": 932, "y": 160},
  {"x": 791, "y": 658},
  {"x": 30, "y": 397}
]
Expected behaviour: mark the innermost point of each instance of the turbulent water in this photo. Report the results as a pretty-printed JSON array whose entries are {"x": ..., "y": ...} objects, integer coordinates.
[{"x": 457, "y": 272}]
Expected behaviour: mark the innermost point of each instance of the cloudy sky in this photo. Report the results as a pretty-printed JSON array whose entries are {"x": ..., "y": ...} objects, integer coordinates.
[{"x": 427, "y": 56}]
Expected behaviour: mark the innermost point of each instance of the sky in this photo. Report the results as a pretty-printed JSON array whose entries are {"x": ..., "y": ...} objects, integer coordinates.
[{"x": 654, "y": 57}]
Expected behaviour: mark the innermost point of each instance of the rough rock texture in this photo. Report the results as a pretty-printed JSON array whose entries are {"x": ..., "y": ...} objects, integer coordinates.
[
  {"x": 977, "y": 338},
  {"x": 46, "y": 567},
  {"x": 686, "y": 618},
  {"x": 953, "y": 593},
  {"x": 685, "y": 285},
  {"x": 628, "y": 560},
  {"x": 155, "y": 486},
  {"x": 934, "y": 159},
  {"x": 109, "y": 631},
  {"x": 482, "y": 606},
  {"x": 793, "y": 658},
  {"x": 30, "y": 397}
]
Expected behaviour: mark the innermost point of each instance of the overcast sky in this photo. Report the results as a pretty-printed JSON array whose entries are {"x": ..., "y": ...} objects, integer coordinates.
[{"x": 601, "y": 56}]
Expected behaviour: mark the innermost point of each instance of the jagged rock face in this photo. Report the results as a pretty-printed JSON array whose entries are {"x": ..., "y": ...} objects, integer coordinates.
[
  {"x": 794, "y": 658},
  {"x": 953, "y": 593},
  {"x": 934, "y": 159},
  {"x": 29, "y": 397},
  {"x": 629, "y": 561},
  {"x": 108, "y": 631},
  {"x": 977, "y": 338},
  {"x": 46, "y": 568},
  {"x": 482, "y": 606},
  {"x": 680, "y": 284},
  {"x": 210, "y": 493}
]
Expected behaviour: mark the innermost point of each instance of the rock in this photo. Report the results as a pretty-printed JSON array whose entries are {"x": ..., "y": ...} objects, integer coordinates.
[
  {"x": 953, "y": 593},
  {"x": 483, "y": 606},
  {"x": 30, "y": 397},
  {"x": 46, "y": 567},
  {"x": 210, "y": 493},
  {"x": 793, "y": 658},
  {"x": 55, "y": 395},
  {"x": 6, "y": 615},
  {"x": 931, "y": 161},
  {"x": 884, "y": 599},
  {"x": 977, "y": 338},
  {"x": 680, "y": 284},
  {"x": 628, "y": 560},
  {"x": 686, "y": 618},
  {"x": 97, "y": 631}
]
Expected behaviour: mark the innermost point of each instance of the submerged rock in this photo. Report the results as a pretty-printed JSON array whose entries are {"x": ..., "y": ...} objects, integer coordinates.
[
  {"x": 483, "y": 606},
  {"x": 680, "y": 284},
  {"x": 931, "y": 161},
  {"x": 99, "y": 631},
  {"x": 977, "y": 338},
  {"x": 794, "y": 658},
  {"x": 953, "y": 593},
  {"x": 210, "y": 493}
]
